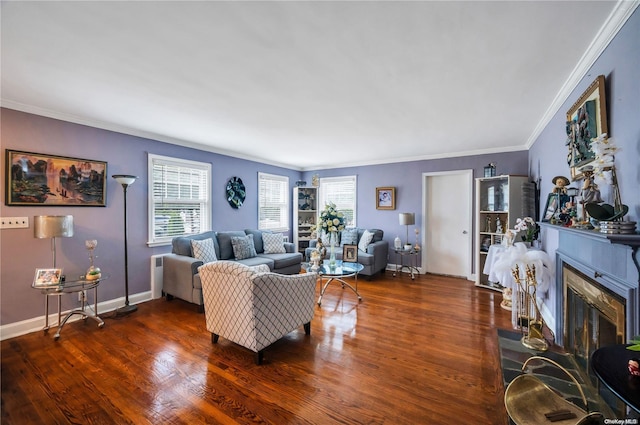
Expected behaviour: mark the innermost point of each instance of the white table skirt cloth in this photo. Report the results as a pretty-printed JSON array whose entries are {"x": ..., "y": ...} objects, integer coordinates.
[{"x": 502, "y": 259}]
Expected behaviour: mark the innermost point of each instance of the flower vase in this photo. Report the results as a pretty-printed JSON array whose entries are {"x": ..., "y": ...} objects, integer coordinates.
[{"x": 332, "y": 252}]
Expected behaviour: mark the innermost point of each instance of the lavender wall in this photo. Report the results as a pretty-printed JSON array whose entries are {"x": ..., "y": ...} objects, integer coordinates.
[
  {"x": 620, "y": 64},
  {"x": 21, "y": 253},
  {"x": 406, "y": 177}
]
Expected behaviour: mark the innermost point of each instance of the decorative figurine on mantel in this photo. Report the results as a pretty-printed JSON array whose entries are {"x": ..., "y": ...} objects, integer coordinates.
[{"x": 561, "y": 183}]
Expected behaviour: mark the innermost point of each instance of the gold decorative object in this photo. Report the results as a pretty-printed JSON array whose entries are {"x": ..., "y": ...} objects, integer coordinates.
[
  {"x": 530, "y": 402},
  {"x": 529, "y": 318}
]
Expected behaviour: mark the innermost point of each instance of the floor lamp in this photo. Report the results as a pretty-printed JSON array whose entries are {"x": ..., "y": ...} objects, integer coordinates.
[
  {"x": 52, "y": 226},
  {"x": 125, "y": 181},
  {"x": 407, "y": 219}
]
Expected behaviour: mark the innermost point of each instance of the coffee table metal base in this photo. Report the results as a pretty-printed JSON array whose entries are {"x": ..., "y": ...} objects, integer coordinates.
[{"x": 339, "y": 279}]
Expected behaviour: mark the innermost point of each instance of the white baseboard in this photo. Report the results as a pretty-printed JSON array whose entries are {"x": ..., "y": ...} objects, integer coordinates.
[
  {"x": 35, "y": 324},
  {"x": 392, "y": 268}
]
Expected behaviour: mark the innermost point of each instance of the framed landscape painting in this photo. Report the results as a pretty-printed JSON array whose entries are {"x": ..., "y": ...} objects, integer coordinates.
[{"x": 35, "y": 179}]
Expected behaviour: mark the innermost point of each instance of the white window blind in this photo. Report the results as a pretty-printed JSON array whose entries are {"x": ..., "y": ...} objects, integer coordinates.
[
  {"x": 342, "y": 192},
  {"x": 179, "y": 201},
  {"x": 273, "y": 202}
]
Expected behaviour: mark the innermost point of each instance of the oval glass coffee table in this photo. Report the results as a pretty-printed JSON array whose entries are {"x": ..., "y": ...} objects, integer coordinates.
[{"x": 337, "y": 273}]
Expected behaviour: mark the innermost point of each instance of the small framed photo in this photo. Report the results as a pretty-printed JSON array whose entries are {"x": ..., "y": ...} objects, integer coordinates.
[
  {"x": 47, "y": 277},
  {"x": 350, "y": 253},
  {"x": 385, "y": 198},
  {"x": 554, "y": 204}
]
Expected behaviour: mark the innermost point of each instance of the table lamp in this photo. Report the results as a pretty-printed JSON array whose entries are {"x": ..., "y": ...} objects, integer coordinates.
[
  {"x": 53, "y": 226},
  {"x": 407, "y": 219}
]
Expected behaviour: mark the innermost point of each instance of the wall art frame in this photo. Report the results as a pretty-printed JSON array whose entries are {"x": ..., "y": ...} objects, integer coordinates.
[
  {"x": 36, "y": 179},
  {"x": 586, "y": 119},
  {"x": 386, "y": 198}
]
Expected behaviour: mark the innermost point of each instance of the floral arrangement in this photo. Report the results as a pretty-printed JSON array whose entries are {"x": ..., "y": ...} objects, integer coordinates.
[
  {"x": 529, "y": 227},
  {"x": 604, "y": 150},
  {"x": 331, "y": 220}
]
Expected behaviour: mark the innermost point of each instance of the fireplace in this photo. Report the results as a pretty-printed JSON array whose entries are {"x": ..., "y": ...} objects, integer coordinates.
[
  {"x": 596, "y": 297},
  {"x": 593, "y": 317}
]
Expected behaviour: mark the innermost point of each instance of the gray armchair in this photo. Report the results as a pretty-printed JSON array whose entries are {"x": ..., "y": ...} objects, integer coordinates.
[{"x": 253, "y": 307}]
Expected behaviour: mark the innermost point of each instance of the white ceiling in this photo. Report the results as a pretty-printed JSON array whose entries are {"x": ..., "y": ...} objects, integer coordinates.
[{"x": 306, "y": 85}]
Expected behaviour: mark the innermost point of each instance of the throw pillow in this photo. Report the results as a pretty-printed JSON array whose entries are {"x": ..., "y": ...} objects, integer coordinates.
[
  {"x": 273, "y": 243},
  {"x": 243, "y": 247},
  {"x": 203, "y": 250},
  {"x": 365, "y": 240},
  {"x": 349, "y": 236}
]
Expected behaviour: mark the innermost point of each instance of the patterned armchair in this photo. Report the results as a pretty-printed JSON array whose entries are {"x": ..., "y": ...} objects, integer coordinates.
[{"x": 253, "y": 307}]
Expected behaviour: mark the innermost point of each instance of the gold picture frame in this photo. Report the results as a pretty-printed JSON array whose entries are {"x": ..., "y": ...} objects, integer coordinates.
[
  {"x": 385, "y": 198},
  {"x": 586, "y": 119}
]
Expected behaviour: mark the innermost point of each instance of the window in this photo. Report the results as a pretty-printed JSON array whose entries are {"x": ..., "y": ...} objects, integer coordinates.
[
  {"x": 342, "y": 192},
  {"x": 179, "y": 198},
  {"x": 273, "y": 202}
]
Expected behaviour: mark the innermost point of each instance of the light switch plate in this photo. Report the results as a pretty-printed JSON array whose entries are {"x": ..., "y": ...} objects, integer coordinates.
[{"x": 14, "y": 222}]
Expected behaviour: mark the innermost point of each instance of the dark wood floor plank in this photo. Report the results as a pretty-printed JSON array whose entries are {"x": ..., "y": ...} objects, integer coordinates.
[{"x": 422, "y": 351}]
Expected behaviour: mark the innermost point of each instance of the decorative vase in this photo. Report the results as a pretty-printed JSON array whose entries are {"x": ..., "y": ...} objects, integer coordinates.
[
  {"x": 332, "y": 252},
  {"x": 397, "y": 243}
]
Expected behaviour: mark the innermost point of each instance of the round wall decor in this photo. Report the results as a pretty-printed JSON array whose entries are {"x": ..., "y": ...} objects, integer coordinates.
[{"x": 235, "y": 192}]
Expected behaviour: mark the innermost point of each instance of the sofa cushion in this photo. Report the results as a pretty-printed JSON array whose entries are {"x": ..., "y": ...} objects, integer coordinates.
[
  {"x": 365, "y": 240},
  {"x": 181, "y": 245},
  {"x": 224, "y": 241},
  {"x": 243, "y": 247},
  {"x": 273, "y": 243},
  {"x": 203, "y": 250},
  {"x": 257, "y": 239},
  {"x": 349, "y": 236},
  {"x": 282, "y": 261},
  {"x": 256, "y": 261}
]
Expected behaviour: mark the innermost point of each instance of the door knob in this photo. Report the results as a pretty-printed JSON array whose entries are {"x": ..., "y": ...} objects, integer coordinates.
[{"x": 464, "y": 232}]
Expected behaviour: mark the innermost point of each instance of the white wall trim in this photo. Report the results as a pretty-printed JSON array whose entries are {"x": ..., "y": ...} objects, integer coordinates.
[{"x": 36, "y": 324}]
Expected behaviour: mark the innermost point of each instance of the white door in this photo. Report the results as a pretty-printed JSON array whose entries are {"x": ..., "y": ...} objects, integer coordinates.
[{"x": 447, "y": 201}]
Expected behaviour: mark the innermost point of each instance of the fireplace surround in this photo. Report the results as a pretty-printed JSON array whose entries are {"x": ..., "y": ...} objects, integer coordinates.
[{"x": 596, "y": 301}]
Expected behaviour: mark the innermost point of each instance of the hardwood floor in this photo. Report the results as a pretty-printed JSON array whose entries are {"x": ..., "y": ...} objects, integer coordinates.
[{"x": 412, "y": 352}]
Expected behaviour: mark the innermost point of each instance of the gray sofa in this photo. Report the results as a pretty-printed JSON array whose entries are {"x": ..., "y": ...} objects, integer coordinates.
[
  {"x": 374, "y": 260},
  {"x": 180, "y": 268}
]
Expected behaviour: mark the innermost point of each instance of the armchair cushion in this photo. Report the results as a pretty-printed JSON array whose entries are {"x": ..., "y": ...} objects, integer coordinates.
[
  {"x": 243, "y": 247},
  {"x": 349, "y": 236},
  {"x": 203, "y": 250},
  {"x": 365, "y": 240}
]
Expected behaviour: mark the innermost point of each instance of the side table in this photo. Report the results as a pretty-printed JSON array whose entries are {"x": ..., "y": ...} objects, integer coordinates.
[
  {"x": 72, "y": 287},
  {"x": 610, "y": 364},
  {"x": 411, "y": 265}
]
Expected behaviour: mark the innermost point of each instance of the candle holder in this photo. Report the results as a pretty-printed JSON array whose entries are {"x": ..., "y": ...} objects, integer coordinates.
[{"x": 93, "y": 272}]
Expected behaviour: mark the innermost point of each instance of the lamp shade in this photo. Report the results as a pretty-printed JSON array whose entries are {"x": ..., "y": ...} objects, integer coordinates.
[
  {"x": 124, "y": 179},
  {"x": 52, "y": 226},
  {"x": 407, "y": 219}
]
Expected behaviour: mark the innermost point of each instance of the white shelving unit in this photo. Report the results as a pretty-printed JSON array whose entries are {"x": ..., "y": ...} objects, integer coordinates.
[
  {"x": 305, "y": 217},
  {"x": 497, "y": 198}
]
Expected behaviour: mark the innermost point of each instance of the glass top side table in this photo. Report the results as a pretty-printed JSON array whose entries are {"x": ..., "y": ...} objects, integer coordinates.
[
  {"x": 411, "y": 264},
  {"x": 68, "y": 287}
]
